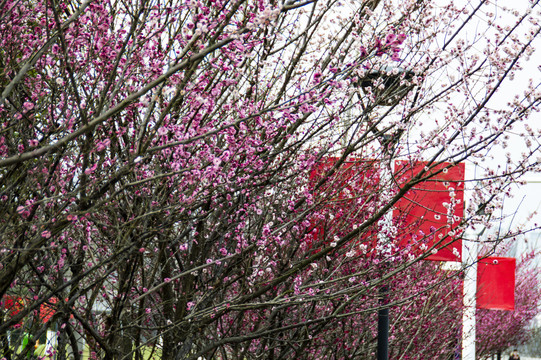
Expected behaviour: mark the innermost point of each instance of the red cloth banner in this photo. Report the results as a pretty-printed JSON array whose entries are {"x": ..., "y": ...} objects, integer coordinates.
[
  {"x": 496, "y": 283},
  {"x": 348, "y": 197},
  {"x": 47, "y": 310},
  {"x": 13, "y": 304},
  {"x": 427, "y": 216}
]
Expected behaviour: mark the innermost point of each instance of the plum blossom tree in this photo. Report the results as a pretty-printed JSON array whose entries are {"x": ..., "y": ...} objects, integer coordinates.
[
  {"x": 156, "y": 161},
  {"x": 425, "y": 328}
]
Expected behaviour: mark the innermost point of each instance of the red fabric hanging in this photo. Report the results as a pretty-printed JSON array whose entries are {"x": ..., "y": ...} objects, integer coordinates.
[
  {"x": 46, "y": 311},
  {"x": 348, "y": 195},
  {"x": 13, "y": 304},
  {"x": 496, "y": 283},
  {"x": 427, "y": 216}
]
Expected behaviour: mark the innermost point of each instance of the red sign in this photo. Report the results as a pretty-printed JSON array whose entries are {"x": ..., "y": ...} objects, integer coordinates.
[
  {"x": 428, "y": 214},
  {"x": 496, "y": 283}
]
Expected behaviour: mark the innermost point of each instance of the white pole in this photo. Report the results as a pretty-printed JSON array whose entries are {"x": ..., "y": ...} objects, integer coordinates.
[
  {"x": 469, "y": 263},
  {"x": 50, "y": 344},
  {"x": 469, "y": 260}
]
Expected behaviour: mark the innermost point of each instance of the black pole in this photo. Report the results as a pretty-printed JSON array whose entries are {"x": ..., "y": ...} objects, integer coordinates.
[{"x": 383, "y": 327}]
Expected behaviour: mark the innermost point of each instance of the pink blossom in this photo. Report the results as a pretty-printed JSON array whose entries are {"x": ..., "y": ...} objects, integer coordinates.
[
  {"x": 102, "y": 145},
  {"x": 28, "y": 105},
  {"x": 363, "y": 52},
  {"x": 91, "y": 169},
  {"x": 23, "y": 211},
  {"x": 400, "y": 38},
  {"x": 389, "y": 39}
]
